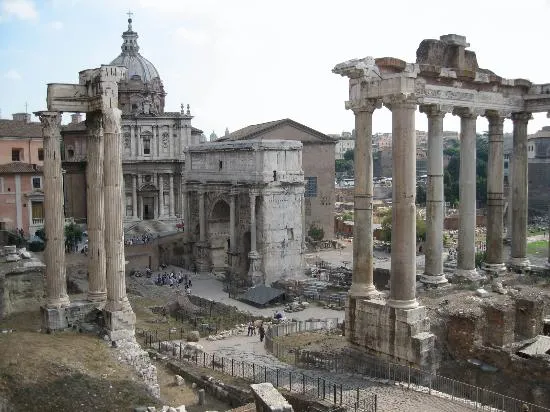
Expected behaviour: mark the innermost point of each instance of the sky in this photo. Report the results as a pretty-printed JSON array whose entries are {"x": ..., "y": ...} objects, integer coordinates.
[{"x": 243, "y": 62}]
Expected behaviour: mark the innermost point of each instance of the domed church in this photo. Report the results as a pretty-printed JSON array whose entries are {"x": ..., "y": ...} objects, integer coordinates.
[{"x": 152, "y": 149}]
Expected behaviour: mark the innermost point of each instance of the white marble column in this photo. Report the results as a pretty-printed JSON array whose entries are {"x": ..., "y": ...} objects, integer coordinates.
[
  {"x": 362, "y": 275},
  {"x": 403, "y": 236},
  {"x": 134, "y": 197},
  {"x": 54, "y": 222},
  {"x": 161, "y": 195},
  {"x": 97, "y": 283},
  {"x": 171, "y": 196},
  {"x": 518, "y": 255},
  {"x": 232, "y": 196},
  {"x": 466, "y": 266},
  {"x": 114, "y": 235},
  {"x": 202, "y": 228},
  {"x": 495, "y": 195},
  {"x": 252, "y": 221},
  {"x": 435, "y": 213}
]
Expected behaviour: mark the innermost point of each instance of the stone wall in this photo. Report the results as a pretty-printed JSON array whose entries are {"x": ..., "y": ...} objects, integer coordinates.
[{"x": 21, "y": 289}]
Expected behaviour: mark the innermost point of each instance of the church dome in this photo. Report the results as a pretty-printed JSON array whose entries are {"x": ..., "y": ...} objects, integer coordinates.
[{"x": 130, "y": 58}]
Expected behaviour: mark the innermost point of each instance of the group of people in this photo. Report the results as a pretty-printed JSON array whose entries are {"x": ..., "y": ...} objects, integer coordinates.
[
  {"x": 252, "y": 330},
  {"x": 138, "y": 240},
  {"x": 174, "y": 280}
]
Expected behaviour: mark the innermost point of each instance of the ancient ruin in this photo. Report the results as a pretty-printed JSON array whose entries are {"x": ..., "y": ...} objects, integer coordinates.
[
  {"x": 444, "y": 79},
  {"x": 97, "y": 95},
  {"x": 244, "y": 209}
]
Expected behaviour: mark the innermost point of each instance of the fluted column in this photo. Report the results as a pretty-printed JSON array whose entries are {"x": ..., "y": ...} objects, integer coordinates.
[
  {"x": 466, "y": 266},
  {"x": 114, "y": 235},
  {"x": 518, "y": 255},
  {"x": 134, "y": 196},
  {"x": 435, "y": 214},
  {"x": 362, "y": 275},
  {"x": 185, "y": 207},
  {"x": 232, "y": 196},
  {"x": 495, "y": 195},
  {"x": 171, "y": 195},
  {"x": 161, "y": 195},
  {"x": 202, "y": 228},
  {"x": 54, "y": 223},
  {"x": 403, "y": 234},
  {"x": 252, "y": 221},
  {"x": 97, "y": 283}
]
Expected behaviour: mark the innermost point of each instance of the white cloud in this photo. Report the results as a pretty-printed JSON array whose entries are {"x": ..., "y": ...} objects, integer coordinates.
[
  {"x": 12, "y": 74},
  {"x": 20, "y": 9},
  {"x": 193, "y": 37},
  {"x": 56, "y": 25}
]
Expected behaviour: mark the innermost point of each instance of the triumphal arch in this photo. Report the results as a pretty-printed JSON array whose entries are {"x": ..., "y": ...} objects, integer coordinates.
[
  {"x": 445, "y": 79},
  {"x": 243, "y": 203}
]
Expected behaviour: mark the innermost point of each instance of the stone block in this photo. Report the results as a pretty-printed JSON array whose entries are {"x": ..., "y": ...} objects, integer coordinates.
[
  {"x": 269, "y": 399},
  {"x": 53, "y": 319},
  {"x": 529, "y": 317},
  {"x": 193, "y": 336},
  {"x": 178, "y": 380},
  {"x": 411, "y": 316},
  {"x": 499, "y": 325}
]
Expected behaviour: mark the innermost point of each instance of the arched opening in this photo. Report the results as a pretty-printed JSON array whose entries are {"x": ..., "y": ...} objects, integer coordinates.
[{"x": 218, "y": 234}]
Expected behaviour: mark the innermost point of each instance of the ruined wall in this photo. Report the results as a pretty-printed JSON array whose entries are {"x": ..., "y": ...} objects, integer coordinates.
[{"x": 21, "y": 290}]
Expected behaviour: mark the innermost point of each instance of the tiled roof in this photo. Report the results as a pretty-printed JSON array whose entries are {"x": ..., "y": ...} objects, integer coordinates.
[
  {"x": 17, "y": 128},
  {"x": 255, "y": 130},
  {"x": 19, "y": 167},
  {"x": 194, "y": 130}
]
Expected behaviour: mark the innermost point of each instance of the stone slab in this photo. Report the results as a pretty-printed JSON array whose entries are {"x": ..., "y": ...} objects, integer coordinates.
[{"x": 53, "y": 319}]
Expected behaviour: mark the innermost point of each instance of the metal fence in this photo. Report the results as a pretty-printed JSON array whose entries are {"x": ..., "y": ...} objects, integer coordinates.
[
  {"x": 351, "y": 398},
  {"x": 406, "y": 376}
]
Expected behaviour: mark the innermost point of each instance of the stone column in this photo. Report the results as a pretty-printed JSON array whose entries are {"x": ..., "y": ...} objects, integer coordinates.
[
  {"x": 466, "y": 265},
  {"x": 232, "y": 195},
  {"x": 54, "y": 222},
  {"x": 255, "y": 276},
  {"x": 435, "y": 200},
  {"x": 403, "y": 236},
  {"x": 495, "y": 195},
  {"x": 141, "y": 207},
  {"x": 114, "y": 235},
  {"x": 161, "y": 195},
  {"x": 134, "y": 196},
  {"x": 132, "y": 143},
  {"x": 155, "y": 207},
  {"x": 362, "y": 275},
  {"x": 202, "y": 228},
  {"x": 97, "y": 284},
  {"x": 185, "y": 207},
  {"x": 171, "y": 195},
  {"x": 518, "y": 255}
]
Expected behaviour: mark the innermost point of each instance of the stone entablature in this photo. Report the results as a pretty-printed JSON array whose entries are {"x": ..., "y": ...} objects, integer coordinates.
[{"x": 252, "y": 162}]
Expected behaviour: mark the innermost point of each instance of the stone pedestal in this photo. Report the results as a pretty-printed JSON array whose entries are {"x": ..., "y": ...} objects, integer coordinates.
[
  {"x": 119, "y": 323},
  {"x": 53, "y": 319},
  {"x": 202, "y": 252},
  {"x": 398, "y": 334},
  {"x": 255, "y": 275}
]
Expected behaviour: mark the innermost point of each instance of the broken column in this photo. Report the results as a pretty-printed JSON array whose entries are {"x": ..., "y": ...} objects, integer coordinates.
[
  {"x": 433, "y": 268},
  {"x": 97, "y": 286},
  {"x": 495, "y": 195},
  {"x": 518, "y": 254},
  {"x": 466, "y": 262},
  {"x": 53, "y": 313}
]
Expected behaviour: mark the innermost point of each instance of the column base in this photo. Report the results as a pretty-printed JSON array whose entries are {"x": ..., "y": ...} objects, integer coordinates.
[
  {"x": 119, "y": 324},
  {"x": 434, "y": 279},
  {"x": 403, "y": 304},
  {"x": 57, "y": 303},
  {"x": 97, "y": 297},
  {"x": 255, "y": 275},
  {"x": 521, "y": 263},
  {"x": 362, "y": 290},
  {"x": 471, "y": 275},
  {"x": 495, "y": 269}
]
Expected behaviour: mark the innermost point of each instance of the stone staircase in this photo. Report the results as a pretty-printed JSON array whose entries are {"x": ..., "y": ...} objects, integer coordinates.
[{"x": 149, "y": 227}]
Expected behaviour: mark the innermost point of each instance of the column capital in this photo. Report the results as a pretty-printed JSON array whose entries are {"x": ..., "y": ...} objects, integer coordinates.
[
  {"x": 467, "y": 112},
  {"x": 400, "y": 100},
  {"x": 364, "y": 105},
  {"x": 233, "y": 192},
  {"x": 521, "y": 117},
  {"x": 496, "y": 117},
  {"x": 435, "y": 110},
  {"x": 51, "y": 121}
]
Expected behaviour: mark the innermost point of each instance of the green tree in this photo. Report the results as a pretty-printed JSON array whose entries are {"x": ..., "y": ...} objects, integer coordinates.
[
  {"x": 421, "y": 194},
  {"x": 347, "y": 216},
  {"x": 343, "y": 167},
  {"x": 348, "y": 155},
  {"x": 316, "y": 233}
]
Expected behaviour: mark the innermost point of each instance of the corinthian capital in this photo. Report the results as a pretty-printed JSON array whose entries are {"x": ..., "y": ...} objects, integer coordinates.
[
  {"x": 521, "y": 117},
  {"x": 468, "y": 112},
  {"x": 435, "y": 110},
  {"x": 364, "y": 105},
  {"x": 51, "y": 123},
  {"x": 400, "y": 100}
]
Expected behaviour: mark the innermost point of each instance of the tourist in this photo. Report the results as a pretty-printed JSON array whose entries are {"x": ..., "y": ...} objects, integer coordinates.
[
  {"x": 261, "y": 331},
  {"x": 250, "y": 329}
]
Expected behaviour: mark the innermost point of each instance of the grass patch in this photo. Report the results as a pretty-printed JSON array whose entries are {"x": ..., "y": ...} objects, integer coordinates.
[{"x": 538, "y": 248}]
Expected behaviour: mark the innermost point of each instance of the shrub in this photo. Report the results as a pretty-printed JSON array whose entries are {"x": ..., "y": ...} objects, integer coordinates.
[
  {"x": 36, "y": 246},
  {"x": 316, "y": 233}
]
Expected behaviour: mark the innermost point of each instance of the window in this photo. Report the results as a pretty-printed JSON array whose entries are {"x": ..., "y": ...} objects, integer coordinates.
[
  {"x": 146, "y": 146},
  {"x": 41, "y": 154},
  {"x": 311, "y": 187},
  {"x": 37, "y": 182},
  {"x": 16, "y": 155}
]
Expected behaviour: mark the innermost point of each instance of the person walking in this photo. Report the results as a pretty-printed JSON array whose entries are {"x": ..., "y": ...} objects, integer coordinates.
[
  {"x": 261, "y": 331},
  {"x": 250, "y": 328}
]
